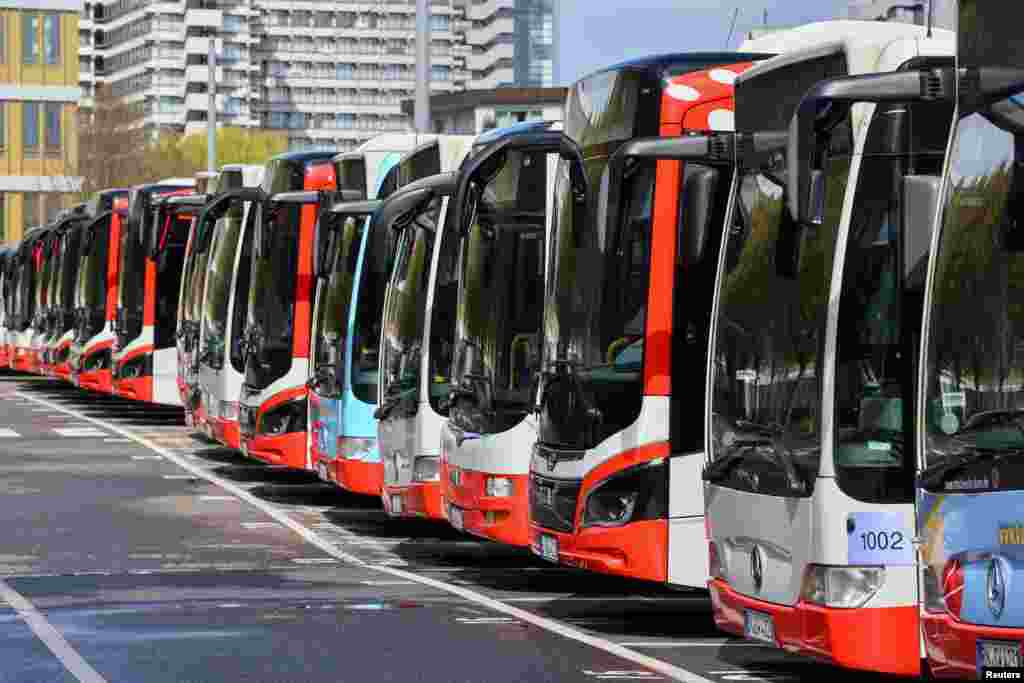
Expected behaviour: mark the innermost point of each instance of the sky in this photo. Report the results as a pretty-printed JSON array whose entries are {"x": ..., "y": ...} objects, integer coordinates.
[{"x": 598, "y": 33}]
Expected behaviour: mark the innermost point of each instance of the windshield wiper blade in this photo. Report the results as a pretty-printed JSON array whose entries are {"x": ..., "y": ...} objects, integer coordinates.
[{"x": 936, "y": 475}]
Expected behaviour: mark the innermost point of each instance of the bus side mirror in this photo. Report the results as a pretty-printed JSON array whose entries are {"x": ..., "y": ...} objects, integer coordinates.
[
  {"x": 325, "y": 238},
  {"x": 697, "y": 200},
  {"x": 920, "y": 206},
  {"x": 788, "y": 246},
  {"x": 825, "y": 106}
]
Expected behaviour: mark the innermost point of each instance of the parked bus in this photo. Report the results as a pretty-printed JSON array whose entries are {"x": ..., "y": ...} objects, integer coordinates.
[
  {"x": 816, "y": 332},
  {"x": 6, "y": 301},
  {"x": 347, "y": 338},
  {"x": 96, "y": 293},
  {"x": 365, "y": 172},
  {"x": 56, "y": 347},
  {"x": 193, "y": 274},
  {"x": 970, "y": 436},
  {"x": 144, "y": 355},
  {"x": 612, "y": 435},
  {"x": 29, "y": 292},
  {"x": 272, "y": 414},
  {"x": 221, "y": 306},
  {"x": 48, "y": 264}
]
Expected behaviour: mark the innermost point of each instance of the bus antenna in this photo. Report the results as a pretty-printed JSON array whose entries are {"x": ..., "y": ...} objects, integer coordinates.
[{"x": 735, "y": 13}]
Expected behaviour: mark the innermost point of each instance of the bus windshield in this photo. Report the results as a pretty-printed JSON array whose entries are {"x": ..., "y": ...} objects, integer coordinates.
[
  {"x": 92, "y": 281},
  {"x": 501, "y": 280},
  {"x": 221, "y": 264},
  {"x": 880, "y": 306},
  {"x": 271, "y": 311},
  {"x": 402, "y": 340},
  {"x": 974, "y": 365},
  {"x": 131, "y": 284},
  {"x": 333, "y": 308},
  {"x": 769, "y": 345}
]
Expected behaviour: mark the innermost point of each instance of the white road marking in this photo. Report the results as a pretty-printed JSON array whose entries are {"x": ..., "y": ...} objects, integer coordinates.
[
  {"x": 147, "y": 457},
  {"x": 8, "y": 433},
  {"x": 117, "y": 440},
  {"x": 486, "y": 620},
  {"x": 214, "y": 498},
  {"x": 604, "y": 598},
  {"x": 177, "y": 476},
  {"x": 51, "y": 637},
  {"x": 315, "y": 539},
  {"x": 314, "y": 560},
  {"x": 388, "y": 583},
  {"x": 259, "y": 525},
  {"x": 696, "y": 643},
  {"x": 623, "y": 675},
  {"x": 79, "y": 431}
]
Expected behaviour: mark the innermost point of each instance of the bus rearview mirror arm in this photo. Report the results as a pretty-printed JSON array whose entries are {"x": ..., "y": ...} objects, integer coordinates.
[{"x": 824, "y": 106}]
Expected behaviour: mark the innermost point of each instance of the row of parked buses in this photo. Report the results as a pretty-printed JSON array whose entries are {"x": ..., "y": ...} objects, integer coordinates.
[{"x": 749, "y": 322}]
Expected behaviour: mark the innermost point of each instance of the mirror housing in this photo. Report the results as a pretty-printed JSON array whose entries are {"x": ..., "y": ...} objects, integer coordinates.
[
  {"x": 165, "y": 209},
  {"x": 824, "y": 106},
  {"x": 214, "y": 210},
  {"x": 921, "y": 196},
  {"x": 324, "y": 237},
  {"x": 488, "y": 161}
]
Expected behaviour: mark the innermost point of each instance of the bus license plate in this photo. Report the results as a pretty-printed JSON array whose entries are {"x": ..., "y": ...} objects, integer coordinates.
[
  {"x": 759, "y": 626},
  {"x": 995, "y": 653},
  {"x": 549, "y": 547},
  {"x": 455, "y": 517},
  {"x": 189, "y": 422},
  {"x": 321, "y": 470},
  {"x": 396, "y": 505}
]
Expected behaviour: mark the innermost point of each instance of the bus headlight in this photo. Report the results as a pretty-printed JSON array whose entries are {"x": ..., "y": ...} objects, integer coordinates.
[
  {"x": 99, "y": 360},
  {"x": 635, "y": 494},
  {"x": 426, "y": 468},
  {"x": 140, "y": 366},
  {"x": 355, "y": 448},
  {"x": 841, "y": 587},
  {"x": 499, "y": 487},
  {"x": 284, "y": 419}
]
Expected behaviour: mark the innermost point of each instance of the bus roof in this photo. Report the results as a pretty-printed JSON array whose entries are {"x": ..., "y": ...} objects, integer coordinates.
[
  {"x": 680, "y": 62},
  {"x": 389, "y": 142},
  {"x": 305, "y": 155}
]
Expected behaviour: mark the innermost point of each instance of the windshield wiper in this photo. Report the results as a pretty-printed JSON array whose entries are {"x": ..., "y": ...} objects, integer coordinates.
[{"x": 936, "y": 475}]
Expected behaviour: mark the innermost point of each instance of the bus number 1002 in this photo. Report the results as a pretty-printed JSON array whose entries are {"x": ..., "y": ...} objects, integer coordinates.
[{"x": 882, "y": 540}]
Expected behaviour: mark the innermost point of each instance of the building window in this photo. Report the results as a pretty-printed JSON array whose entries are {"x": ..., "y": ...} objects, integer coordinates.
[
  {"x": 3, "y": 40},
  {"x": 51, "y": 38},
  {"x": 29, "y": 211},
  {"x": 440, "y": 73},
  {"x": 30, "y": 37},
  {"x": 439, "y": 22},
  {"x": 3, "y": 127},
  {"x": 3, "y": 217},
  {"x": 53, "y": 129},
  {"x": 232, "y": 23},
  {"x": 30, "y": 129}
]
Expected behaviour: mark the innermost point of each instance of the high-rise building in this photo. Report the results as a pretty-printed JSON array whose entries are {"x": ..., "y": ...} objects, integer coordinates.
[
  {"x": 326, "y": 72},
  {"x": 38, "y": 111}
]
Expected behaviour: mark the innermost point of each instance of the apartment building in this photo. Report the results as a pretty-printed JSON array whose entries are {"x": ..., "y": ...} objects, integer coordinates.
[
  {"x": 38, "y": 111},
  {"x": 325, "y": 72}
]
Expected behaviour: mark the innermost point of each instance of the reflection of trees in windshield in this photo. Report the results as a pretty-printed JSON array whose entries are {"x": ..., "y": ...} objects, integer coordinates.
[
  {"x": 770, "y": 335},
  {"x": 272, "y": 295},
  {"x": 333, "y": 311},
  {"x": 376, "y": 268},
  {"x": 402, "y": 340},
  {"x": 975, "y": 352},
  {"x": 220, "y": 267}
]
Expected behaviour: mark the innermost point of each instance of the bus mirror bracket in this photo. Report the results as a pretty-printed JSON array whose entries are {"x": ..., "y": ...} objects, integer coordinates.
[
  {"x": 824, "y": 106},
  {"x": 920, "y": 206}
]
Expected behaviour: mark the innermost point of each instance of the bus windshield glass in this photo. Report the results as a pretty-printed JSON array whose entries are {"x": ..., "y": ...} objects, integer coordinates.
[
  {"x": 271, "y": 311},
  {"x": 92, "y": 281},
  {"x": 131, "y": 283},
  {"x": 402, "y": 340},
  {"x": 974, "y": 367},
  {"x": 501, "y": 280},
  {"x": 221, "y": 264}
]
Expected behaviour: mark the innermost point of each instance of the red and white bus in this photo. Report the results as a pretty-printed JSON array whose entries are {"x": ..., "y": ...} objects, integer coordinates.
[
  {"x": 144, "y": 356},
  {"x": 96, "y": 293},
  {"x": 273, "y": 412},
  {"x": 614, "y": 478}
]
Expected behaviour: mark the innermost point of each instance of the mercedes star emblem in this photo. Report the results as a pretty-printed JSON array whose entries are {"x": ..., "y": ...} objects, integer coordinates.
[
  {"x": 757, "y": 567},
  {"x": 996, "y": 588}
]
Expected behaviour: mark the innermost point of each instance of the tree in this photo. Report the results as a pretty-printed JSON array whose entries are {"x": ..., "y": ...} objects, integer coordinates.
[
  {"x": 109, "y": 142},
  {"x": 234, "y": 146}
]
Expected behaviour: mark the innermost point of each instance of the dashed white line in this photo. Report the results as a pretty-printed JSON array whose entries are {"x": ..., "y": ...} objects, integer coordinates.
[
  {"x": 217, "y": 498},
  {"x": 147, "y": 457},
  {"x": 260, "y": 525},
  {"x": 314, "y": 560},
  {"x": 51, "y": 637},
  {"x": 79, "y": 431},
  {"x": 315, "y": 539},
  {"x": 8, "y": 433}
]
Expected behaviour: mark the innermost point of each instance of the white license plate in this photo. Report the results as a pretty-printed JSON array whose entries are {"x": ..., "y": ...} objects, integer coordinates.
[
  {"x": 759, "y": 626},
  {"x": 396, "y": 505},
  {"x": 76, "y": 381},
  {"x": 321, "y": 470},
  {"x": 994, "y": 653},
  {"x": 549, "y": 547},
  {"x": 455, "y": 517},
  {"x": 189, "y": 422}
]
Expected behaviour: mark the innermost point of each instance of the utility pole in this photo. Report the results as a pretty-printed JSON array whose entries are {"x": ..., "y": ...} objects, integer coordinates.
[
  {"x": 422, "y": 108},
  {"x": 211, "y": 112}
]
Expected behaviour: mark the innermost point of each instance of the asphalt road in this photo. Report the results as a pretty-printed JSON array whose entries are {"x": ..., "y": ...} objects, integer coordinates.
[{"x": 134, "y": 551}]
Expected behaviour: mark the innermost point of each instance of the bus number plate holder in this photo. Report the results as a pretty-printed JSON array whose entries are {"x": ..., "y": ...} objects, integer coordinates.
[
  {"x": 396, "y": 505},
  {"x": 455, "y": 517},
  {"x": 998, "y": 654},
  {"x": 549, "y": 547},
  {"x": 759, "y": 626}
]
